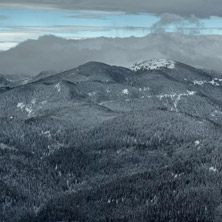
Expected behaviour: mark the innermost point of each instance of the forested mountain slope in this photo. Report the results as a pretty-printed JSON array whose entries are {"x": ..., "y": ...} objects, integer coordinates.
[{"x": 108, "y": 143}]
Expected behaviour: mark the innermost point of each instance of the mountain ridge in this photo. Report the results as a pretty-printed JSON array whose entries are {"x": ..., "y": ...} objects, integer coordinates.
[{"x": 106, "y": 138}]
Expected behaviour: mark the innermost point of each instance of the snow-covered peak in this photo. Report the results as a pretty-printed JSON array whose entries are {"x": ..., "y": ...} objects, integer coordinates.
[{"x": 153, "y": 64}]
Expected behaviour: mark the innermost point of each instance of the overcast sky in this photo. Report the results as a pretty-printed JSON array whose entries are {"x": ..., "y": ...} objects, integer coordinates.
[
  {"x": 82, "y": 19},
  {"x": 29, "y": 19}
]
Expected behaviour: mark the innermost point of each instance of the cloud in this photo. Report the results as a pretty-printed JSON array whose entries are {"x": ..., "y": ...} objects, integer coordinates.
[
  {"x": 53, "y": 53},
  {"x": 64, "y": 28},
  {"x": 187, "y": 25},
  {"x": 16, "y": 36},
  {"x": 199, "y": 8},
  {"x": 87, "y": 15},
  {"x": 6, "y": 45},
  {"x": 94, "y": 14}
]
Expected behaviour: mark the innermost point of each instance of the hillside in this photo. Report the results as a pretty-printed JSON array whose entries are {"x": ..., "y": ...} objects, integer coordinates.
[{"x": 109, "y": 143}]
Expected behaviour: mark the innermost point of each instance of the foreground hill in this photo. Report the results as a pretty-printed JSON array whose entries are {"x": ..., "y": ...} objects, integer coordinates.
[{"x": 107, "y": 143}]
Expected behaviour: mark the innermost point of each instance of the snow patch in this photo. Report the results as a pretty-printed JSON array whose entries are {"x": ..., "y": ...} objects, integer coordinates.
[
  {"x": 220, "y": 80},
  {"x": 161, "y": 96},
  {"x": 153, "y": 64},
  {"x": 47, "y": 133},
  {"x": 175, "y": 175},
  {"x": 125, "y": 91},
  {"x": 197, "y": 143},
  {"x": 215, "y": 113},
  {"x": 176, "y": 97},
  {"x": 144, "y": 89},
  {"x": 105, "y": 102},
  {"x": 27, "y": 107},
  {"x": 33, "y": 101},
  {"x": 21, "y": 105},
  {"x": 213, "y": 169},
  {"x": 44, "y": 102},
  {"x": 23, "y": 82},
  {"x": 58, "y": 87},
  {"x": 214, "y": 82},
  {"x": 200, "y": 83},
  {"x": 91, "y": 94},
  {"x": 191, "y": 93}
]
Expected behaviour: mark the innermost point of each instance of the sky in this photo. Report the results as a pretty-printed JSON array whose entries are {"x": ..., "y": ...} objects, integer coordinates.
[
  {"x": 20, "y": 24},
  {"x": 168, "y": 28},
  {"x": 73, "y": 19}
]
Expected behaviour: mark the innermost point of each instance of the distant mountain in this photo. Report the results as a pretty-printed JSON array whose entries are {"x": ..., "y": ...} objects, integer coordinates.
[
  {"x": 108, "y": 143},
  {"x": 53, "y": 53},
  {"x": 6, "y": 83}
]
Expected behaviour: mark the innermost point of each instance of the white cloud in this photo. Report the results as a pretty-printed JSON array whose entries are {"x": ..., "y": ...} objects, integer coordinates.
[
  {"x": 190, "y": 25},
  {"x": 17, "y": 36},
  {"x": 6, "y": 45},
  {"x": 72, "y": 28}
]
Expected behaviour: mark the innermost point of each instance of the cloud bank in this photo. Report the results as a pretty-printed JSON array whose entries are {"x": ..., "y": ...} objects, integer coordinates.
[
  {"x": 53, "y": 53},
  {"x": 199, "y": 8},
  {"x": 188, "y": 25}
]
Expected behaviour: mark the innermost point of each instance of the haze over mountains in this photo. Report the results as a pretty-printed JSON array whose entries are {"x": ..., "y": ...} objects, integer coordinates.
[
  {"x": 52, "y": 53},
  {"x": 110, "y": 143}
]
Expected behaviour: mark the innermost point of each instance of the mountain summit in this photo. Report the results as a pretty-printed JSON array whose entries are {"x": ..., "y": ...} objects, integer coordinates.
[{"x": 153, "y": 64}]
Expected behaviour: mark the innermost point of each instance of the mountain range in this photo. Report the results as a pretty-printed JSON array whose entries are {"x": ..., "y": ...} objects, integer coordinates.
[
  {"x": 49, "y": 52},
  {"x": 110, "y": 143}
]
